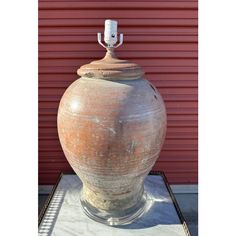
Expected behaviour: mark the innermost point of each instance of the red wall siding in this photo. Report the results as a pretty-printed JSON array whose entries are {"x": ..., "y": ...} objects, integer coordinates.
[{"x": 161, "y": 36}]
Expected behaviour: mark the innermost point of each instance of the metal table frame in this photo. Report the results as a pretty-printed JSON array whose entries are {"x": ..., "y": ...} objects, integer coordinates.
[{"x": 177, "y": 208}]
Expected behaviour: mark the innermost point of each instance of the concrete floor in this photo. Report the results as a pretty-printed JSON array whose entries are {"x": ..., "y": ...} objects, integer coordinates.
[{"x": 188, "y": 204}]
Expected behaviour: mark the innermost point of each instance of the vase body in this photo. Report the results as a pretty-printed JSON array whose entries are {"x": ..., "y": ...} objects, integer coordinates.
[{"x": 111, "y": 131}]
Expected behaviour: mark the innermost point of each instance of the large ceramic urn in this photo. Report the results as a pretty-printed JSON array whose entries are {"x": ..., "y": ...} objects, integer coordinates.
[{"x": 112, "y": 125}]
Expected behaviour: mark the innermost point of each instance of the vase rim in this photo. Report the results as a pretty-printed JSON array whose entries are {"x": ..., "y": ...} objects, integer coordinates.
[{"x": 111, "y": 68}]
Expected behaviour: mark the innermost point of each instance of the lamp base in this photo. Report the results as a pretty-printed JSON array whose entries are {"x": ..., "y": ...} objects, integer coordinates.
[{"x": 113, "y": 218}]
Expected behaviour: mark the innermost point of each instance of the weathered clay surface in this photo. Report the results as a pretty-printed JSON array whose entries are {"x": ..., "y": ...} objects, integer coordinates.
[
  {"x": 111, "y": 129},
  {"x": 110, "y": 67}
]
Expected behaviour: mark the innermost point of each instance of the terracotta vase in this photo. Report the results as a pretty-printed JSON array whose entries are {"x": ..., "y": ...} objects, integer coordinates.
[{"x": 112, "y": 125}]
